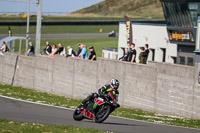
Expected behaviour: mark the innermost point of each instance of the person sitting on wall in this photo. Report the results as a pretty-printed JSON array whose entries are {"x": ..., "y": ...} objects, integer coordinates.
[
  {"x": 125, "y": 56},
  {"x": 142, "y": 56},
  {"x": 92, "y": 55},
  {"x": 132, "y": 53},
  {"x": 30, "y": 50},
  {"x": 71, "y": 52},
  {"x": 47, "y": 49},
  {"x": 79, "y": 49},
  {"x": 60, "y": 51},
  {"x": 54, "y": 49},
  {"x": 83, "y": 54},
  {"x": 4, "y": 48}
]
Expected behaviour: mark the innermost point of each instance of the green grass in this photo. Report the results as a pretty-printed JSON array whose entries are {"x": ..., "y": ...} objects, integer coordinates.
[
  {"x": 35, "y": 96},
  {"x": 59, "y": 18},
  {"x": 98, "y": 44},
  {"x": 71, "y": 18},
  {"x": 17, "y": 127},
  {"x": 56, "y": 29}
]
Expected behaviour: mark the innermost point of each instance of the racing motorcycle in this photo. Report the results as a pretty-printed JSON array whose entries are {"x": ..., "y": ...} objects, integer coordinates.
[{"x": 97, "y": 109}]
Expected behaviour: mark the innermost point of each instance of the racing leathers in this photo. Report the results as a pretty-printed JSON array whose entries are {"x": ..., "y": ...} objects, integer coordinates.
[{"x": 103, "y": 91}]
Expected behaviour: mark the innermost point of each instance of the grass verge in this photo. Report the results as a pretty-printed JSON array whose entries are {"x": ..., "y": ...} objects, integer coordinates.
[
  {"x": 61, "y": 29},
  {"x": 17, "y": 127},
  {"x": 35, "y": 96}
]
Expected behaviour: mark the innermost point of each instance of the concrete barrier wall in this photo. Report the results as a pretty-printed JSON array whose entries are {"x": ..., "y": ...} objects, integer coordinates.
[
  {"x": 157, "y": 87},
  {"x": 175, "y": 86},
  {"x": 7, "y": 65}
]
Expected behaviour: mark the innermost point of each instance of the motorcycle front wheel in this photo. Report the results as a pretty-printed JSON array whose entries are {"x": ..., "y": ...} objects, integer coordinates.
[
  {"x": 102, "y": 113},
  {"x": 77, "y": 115}
]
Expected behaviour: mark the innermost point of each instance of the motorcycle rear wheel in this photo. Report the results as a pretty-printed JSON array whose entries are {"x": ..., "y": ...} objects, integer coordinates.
[{"x": 102, "y": 114}]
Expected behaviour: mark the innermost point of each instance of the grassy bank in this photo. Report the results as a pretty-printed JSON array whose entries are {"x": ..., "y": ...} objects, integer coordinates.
[
  {"x": 98, "y": 44},
  {"x": 35, "y": 96},
  {"x": 61, "y": 29},
  {"x": 17, "y": 127},
  {"x": 74, "y": 17}
]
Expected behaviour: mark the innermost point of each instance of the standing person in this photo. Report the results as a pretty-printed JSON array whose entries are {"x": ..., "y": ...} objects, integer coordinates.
[
  {"x": 146, "y": 47},
  {"x": 79, "y": 49},
  {"x": 143, "y": 56},
  {"x": 132, "y": 53},
  {"x": 30, "y": 50},
  {"x": 125, "y": 56},
  {"x": 4, "y": 48},
  {"x": 83, "y": 54},
  {"x": 92, "y": 55},
  {"x": 47, "y": 49}
]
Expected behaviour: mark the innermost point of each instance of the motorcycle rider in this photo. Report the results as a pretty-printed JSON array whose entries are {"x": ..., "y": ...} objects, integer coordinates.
[{"x": 113, "y": 86}]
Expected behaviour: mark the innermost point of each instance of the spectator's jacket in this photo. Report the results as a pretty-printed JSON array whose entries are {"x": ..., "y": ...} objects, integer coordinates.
[
  {"x": 61, "y": 51},
  {"x": 124, "y": 58},
  {"x": 143, "y": 57},
  {"x": 71, "y": 53},
  {"x": 106, "y": 89},
  {"x": 47, "y": 50},
  {"x": 79, "y": 51}
]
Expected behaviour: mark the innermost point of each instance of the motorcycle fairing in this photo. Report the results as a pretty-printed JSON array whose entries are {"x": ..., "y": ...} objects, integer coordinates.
[
  {"x": 88, "y": 114},
  {"x": 99, "y": 102}
]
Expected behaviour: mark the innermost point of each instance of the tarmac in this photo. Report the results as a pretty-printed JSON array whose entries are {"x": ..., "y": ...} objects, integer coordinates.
[{"x": 29, "y": 112}]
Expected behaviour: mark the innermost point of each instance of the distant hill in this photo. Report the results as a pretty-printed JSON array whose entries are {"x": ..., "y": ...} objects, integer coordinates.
[{"x": 143, "y": 9}]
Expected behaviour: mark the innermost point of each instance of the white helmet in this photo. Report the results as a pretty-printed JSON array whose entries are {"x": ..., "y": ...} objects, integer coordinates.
[{"x": 114, "y": 84}]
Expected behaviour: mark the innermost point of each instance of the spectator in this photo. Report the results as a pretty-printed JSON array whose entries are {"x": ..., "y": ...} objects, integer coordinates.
[
  {"x": 146, "y": 47},
  {"x": 4, "y": 48},
  {"x": 47, "y": 49},
  {"x": 54, "y": 49},
  {"x": 83, "y": 53},
  {"x": 143, "y": 56},
  {"x": 79, "y": 49},
  {"x": 132, "y": 53},
  {"x": 30, "y": 50},
  {"x": 125, "y": 56},
  {"x": 61, "y": 49},
  {"x": 92, "y": 55},
  {"x": 71, "y": 52}
]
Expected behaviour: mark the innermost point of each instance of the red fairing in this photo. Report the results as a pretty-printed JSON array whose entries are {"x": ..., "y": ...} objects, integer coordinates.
[
  {"x": 99, "y": 102},
  {"x": 88, "y": 114}
]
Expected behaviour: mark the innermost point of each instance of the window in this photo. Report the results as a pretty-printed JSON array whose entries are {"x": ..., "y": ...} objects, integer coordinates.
[
  {"x": 182, "y": 60},
  {"x": 153, "y": 54},
  {"x": 190, "y": 61},
  {"x": 193, "y": 11},
  {"x": 177, "y": 14}
]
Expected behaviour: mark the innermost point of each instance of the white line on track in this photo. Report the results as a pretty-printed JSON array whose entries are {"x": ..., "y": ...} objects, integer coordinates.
[{"x": 110, "y": 116}]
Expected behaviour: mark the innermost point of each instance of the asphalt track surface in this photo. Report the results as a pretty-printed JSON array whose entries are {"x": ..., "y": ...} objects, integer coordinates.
[
  {"x": 63, "y": 36},
  {"x": 22, "y": 111}
]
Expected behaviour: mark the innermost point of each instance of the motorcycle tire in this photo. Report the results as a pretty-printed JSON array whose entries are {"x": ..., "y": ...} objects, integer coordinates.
[
  {"x": 105, "y": 116},
  {"x": 77, "y": 115}
]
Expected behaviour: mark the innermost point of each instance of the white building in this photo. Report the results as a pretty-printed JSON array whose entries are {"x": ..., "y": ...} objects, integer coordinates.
[{"x": 161, "y": 50}]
